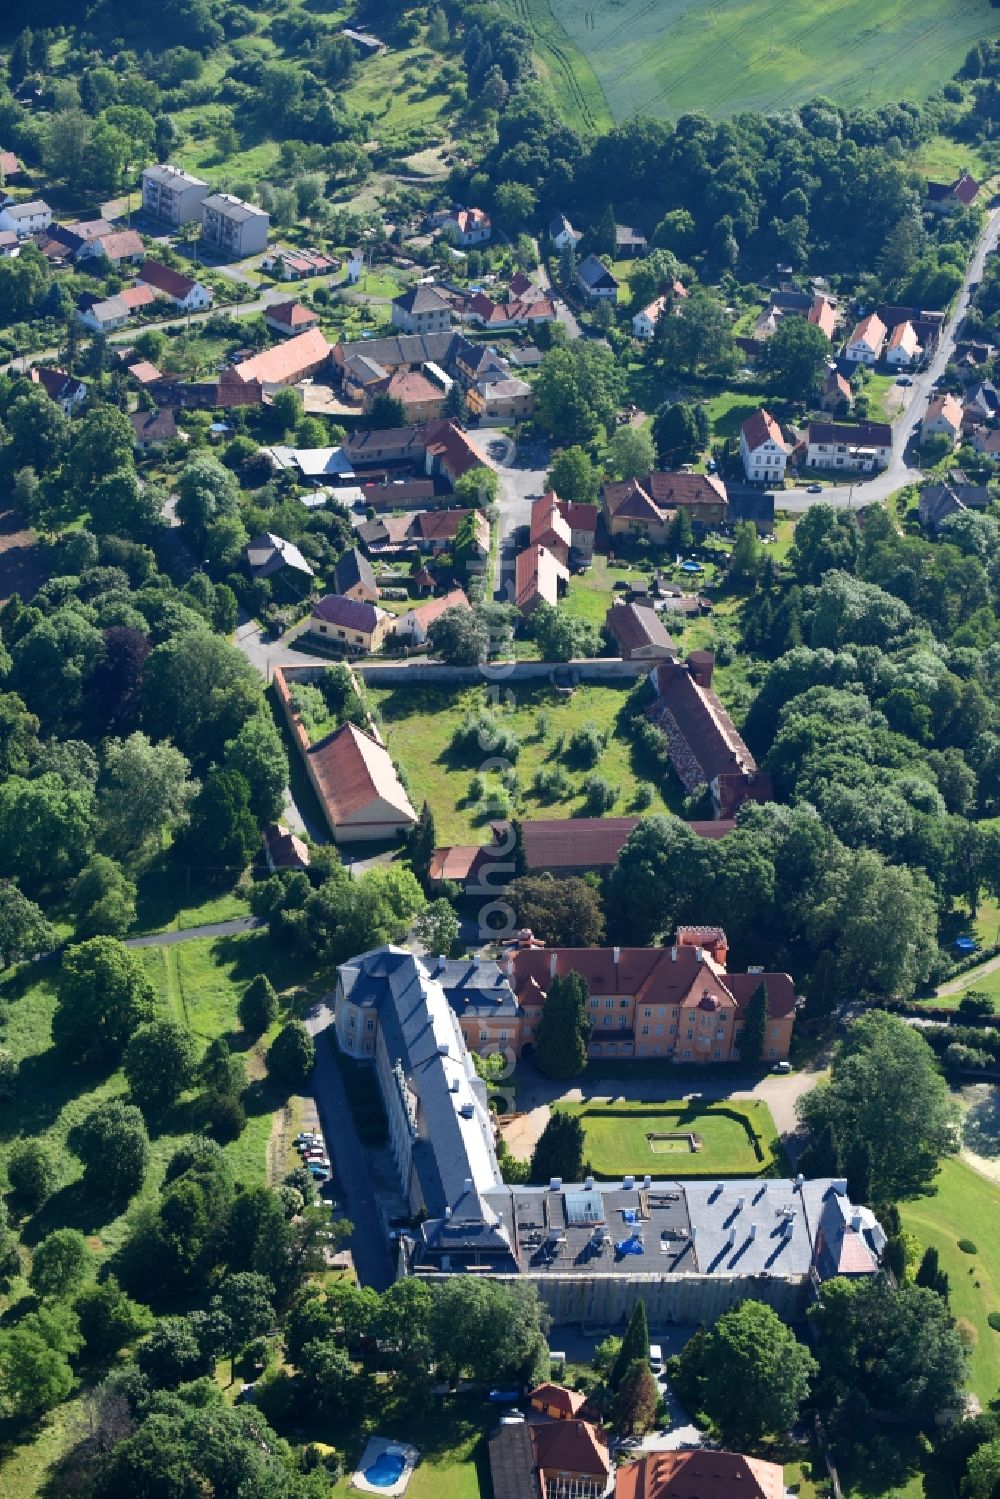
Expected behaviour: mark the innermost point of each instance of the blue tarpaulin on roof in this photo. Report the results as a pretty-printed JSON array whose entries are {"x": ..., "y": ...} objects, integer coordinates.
[
  {"x": 630, "y": 1215},
  {"x": 629, "y": 1246}
]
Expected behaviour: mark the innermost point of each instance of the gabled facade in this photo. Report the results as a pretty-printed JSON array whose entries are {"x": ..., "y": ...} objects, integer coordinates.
[
  {"x": 943, "y": 418},
  {"x": 903, "y": 349},
  {"x": 421, "y": 309},
  {"x": 595, "y": 281},
  {"x": 866, "y": 343},
  {"x": 646, "y": 507},
  {"x": 763, "y": 450}
]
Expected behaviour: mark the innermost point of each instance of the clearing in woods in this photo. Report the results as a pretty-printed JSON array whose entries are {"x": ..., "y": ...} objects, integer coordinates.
[{"x": 615, "y": 58}]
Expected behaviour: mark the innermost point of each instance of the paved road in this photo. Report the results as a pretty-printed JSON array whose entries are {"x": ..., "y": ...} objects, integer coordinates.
[
  {"x": 902, "y": 467},
  {"x": 522, "y": 476},
  {"x": 563, "y": 312},
  {"x": 350, "y": 1172},
  {"x": 189, "y": 934},
  {"x": 968, "y": 979}
]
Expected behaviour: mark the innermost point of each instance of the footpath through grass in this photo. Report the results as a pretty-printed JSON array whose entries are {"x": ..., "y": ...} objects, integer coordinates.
[
  {"x": 737, "y": 1139},
  {"x": 965, "y": 1205}
]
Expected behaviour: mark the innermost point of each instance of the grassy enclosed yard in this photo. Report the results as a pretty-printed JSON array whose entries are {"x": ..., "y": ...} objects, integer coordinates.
[
  {"x": 685, "y": 55},
  {"x": 617, "y": 1144},
  {"x": 418, "y": 724},
  {"x": 965, "y": 1205}
]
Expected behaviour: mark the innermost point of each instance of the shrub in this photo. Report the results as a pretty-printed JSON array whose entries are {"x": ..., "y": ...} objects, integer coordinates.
[
  {"x": 31, "y": 1173},
  {"x": 258, "y": 1005},
  {"x": 225, "y": 1117},
  {"x": 967, "y": 1246},
  {"x": 994, "y": 1320},
  {"x": 484, "y": 734},
  {"x": 643, "y": 796},
  {"x": 586, "y": 744},
  {"x": 600, "y": 795}
]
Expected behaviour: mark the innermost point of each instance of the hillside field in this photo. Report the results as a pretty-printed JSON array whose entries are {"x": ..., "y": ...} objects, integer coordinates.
[{"x": 615, "y": 58}]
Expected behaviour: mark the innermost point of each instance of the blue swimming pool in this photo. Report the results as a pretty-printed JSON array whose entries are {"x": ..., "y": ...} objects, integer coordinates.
[{"x": 386, "y": 1470}]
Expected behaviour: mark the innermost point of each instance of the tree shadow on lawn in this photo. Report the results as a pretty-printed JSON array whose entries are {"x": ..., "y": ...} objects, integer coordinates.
[
  {"x": 46, "y": 1083},
  {"x": 246, "y": 954},
  {"x": 72, "y": 1207},
  {"x": 981, "y": 1125}
]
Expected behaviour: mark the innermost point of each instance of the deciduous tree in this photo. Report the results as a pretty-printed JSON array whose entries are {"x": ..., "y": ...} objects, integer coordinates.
[{"x": 103, "y": 996}]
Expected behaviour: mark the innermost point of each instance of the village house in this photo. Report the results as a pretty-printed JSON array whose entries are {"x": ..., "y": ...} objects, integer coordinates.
[
  {"x": 298, "y": 265},
  {"x": 863, "y": 447},
  {"x": 596, "y": 281},
  {"x": 516, "y": 313},
  {"x": 10, "y": 167},
  {"x": 699, "y": 1473},
  {"x": 233, "y": 228},
  {"x": 501, "y": 400},
  {"x": 421, "y": 309},
  {"x": 866, "y": 343},
  {"x": 629, "y": 242},
  {"x": 354, "y": 578},
  {"x": 119, "y": 248},
  {"x": 644, "y": 322},
  {"x": 136, "y": 297},
  {"x": 103, "y": 316},
  {"x": 283, "y": 849},
  {"x": 467, "y": 227},
  {"x": 287, "y": 363},
  {"x": 835, "y": 393},
  {"x": 704, "y": 745},
  {"x": 943, "y": 418},
  {"x": 354, "y": 625},
  {"x": 763, "y": 450},
  {"x": 10, "y": 245},
  {"x": 145, "y": 373},
  {"x": 184, "y": 292},
  {"x": 952, "y": 496},
  {"x": 68, "y": 393},
  {"x": 557, "y": 1403},
  {"x": 420, "y": 398},
  {"x": 986, "y": 442},
  {"x": 290, "y": 318},
  {"x": 435, "y": 530},
  {"x": 903, "y": 349},
  {"x": 646, "y": 507},
  {"x": 944, "y": 197},
  {"x": 362, "y": 797},
  {"x": 823, "y": 315},
  {"x": 25, "y": 218},
  {"x": 638, "y": 632},
  {"x": 538, "y": 576},
  {"x": 172, "y": 195},
  {"x": 268, "y": 555},
  {"x": 414, "y": 625},
  {"x": 562, "y": 233},
  {"x": 151, "y": 428},
  {"x": 983, "y": 403}
]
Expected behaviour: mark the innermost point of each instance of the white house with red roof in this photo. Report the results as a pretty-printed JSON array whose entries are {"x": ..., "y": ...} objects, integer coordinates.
[
  {"x": 866, "y": 343},
  {"x": 290, "y": 318},
  {"x": 904, "y": 347},
  {"x": 185, "y": 293},
  {"x": 415, "y": 624},
  {"x": 468, "y": 227},
  {"x": 763, "y": 450},
  {"x": 943, "y": 418}
]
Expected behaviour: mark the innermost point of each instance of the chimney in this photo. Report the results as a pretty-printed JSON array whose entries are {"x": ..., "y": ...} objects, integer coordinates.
[
  {"x": 673, "y": 955},
  {"x": 510, "y": 968},
  {"x": 553, "y": 964},
  {"x": 741, "y": 1203},
  {"x": 467, "y": 1184},
  {"x": 588, "y": 1185},
  {"x": 447, "y": 1212},
  {"x": 616, "y": 955},
  {"x": 628, "y": 1183},
  {"x": 701, "y": 664},
  {"x": 647, "y": 1182},
  {"x": 752, "y": 1231},
  {"x": 555, "y": 1182}
]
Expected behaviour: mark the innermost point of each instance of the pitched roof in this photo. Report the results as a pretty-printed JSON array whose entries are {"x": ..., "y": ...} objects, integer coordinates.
[
  {"x": 558, "y": 843},
  {"x": 347, "y": 614},
  {"x": 856, "y": 434},
  {"x": 593, "y": 272},
  {"x": 548, "y": 524},
  {"x": 56, "y": 383},
  {"x": 579, "y": 516},
  {"x": 296, "y": 357},
  {"x": 166, "y": 280},
  {"x": 136, "y": 296},
  {"x": 9, "y": 164},
  {"x": 537, "y": 572},
  {"x": 903, "y": 337},
  {"x": 233, "y": 208},
  {"x": 122, "y": 246},
  {"x": 291, "y": 315},
  {"x": 659, "y": 493},
  {"x": 426, "y": 614},
  {"x": 443, "y": 525},
  {"x": 26, "y": 210},
  {"x": 352, "y": 568},
  {"x": 512, "y": 1463},
  {"x": 145, "y": 372},
  {"x": 154, "y": 426},
  {"x": 946, "y": 406},
  {"x": 760, "y": 428},
  {"x": 267, "y": 554},
  {"x": 449, "y": 443},
  {"x": 711, "y": 742},
  {"x": 413, "y": 388},
  {"x": 569, "y": 1402},
  {"x": 286, "y": 849},
  {"x": 699, "y": 1474},
  {"x": 835, "y": 382},
  {"x": 636, "y": 625},
  {"x": 965, "y": 189},
  {"x": 871, "y": 330},
  {"x": 520, "y": 285},
  {"x": 417, "y": 299},
  {"x": 821, "y": 314},
  {"x": 571, "y": 1447},
  {"x": 354, "y": 771}
]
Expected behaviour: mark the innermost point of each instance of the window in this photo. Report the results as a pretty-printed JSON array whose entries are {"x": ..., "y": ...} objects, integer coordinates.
[
  {"x": 647, "y": 1013},
  {"x": 594, "y": 1004},
  {"x": 607, "y": 1020},
  {"x": 659, "y": 1030},
  {"x": 675, "y": 1012},
  {"x": 772, "y": 1051},
  {"x": 622, "y": 1022},
  {"x": 661, "y": 1011},
  {"x": 645, "y": 1030},
  {"x": 369, "y": 1025},
  {"x": 484, "y": 1036},
  {"x": 623, "y": 1004},
  {"x": 775, "y": 1032},
  {"x": 687, "y": 1052},
  {"x": 503, "y": 1036},
  {"x": 609, "y": 1004}
]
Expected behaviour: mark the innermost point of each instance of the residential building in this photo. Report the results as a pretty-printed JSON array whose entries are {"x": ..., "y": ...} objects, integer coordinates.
[
  {"x": 124, "y": 248},
  {"x": 354, "y": 578},
  {"x": 420, "y": 398},
  {"x": 421, "y": 309},
  {"x": 952, "y": 496},
  {"x": 10, "y": 245},
  {"x": 25, "y": 218},
  {"x": 763, "y": 450},
  {"x": 415, "y": 624},
  {"x": 984, "y": 402},
  {"x": 104, "y": 316},
  {"x": 562, "y": 233},
  {"x": 638, "y": 633},
  {"x": 10, "y": 167},
  {"x": 943, "y": 418},
  {"x": 390, "y": 495},
  {"x": 629, "y": 242},
  {"x": 172, "y": 195},
  {"x": 153, "y": 427},
  {"x": 67, "y": 392},
  {"x": 823, "y": 315},
  {"x": 468, "y": 227},
  {"x": 290, "y": 318},
  {"x": 233, "y": 228},
  {"x": 986, "y": 442},
  {"x": 861, "y": 447},
  {"x": 689, "y": 1249},
  {"x": 369, "y": 44},
  {"x": 699, "y": 1473},
  {"x": 944, "y": 197},
  {"x": 267, "y": 555},
  {"x": 866, "y": 343},
  {"x": 359, "y": 789},
  {"x": 435, "y": 530},
  {"x": 355, "y": 626},
  {"x": 501, "y": 401},
  {"x": 283, "y": 849},
  {"x": 136, "y": 297},
  {"x": 298, "y": 265},
  {"x": 289, "y": 362},
  {"x": 595, "y": 280},
  {"x": 835, "y": 393},
  {"x": 703, "y": 743},
  {"x": 903, "y": 349},
  {"x": 183, "y": 291},
  {"x": 538, "y": 574},
  {"x": 549, "y": 527},
  {"x": 516, "y": 313},
  {"x": 646, "y": 507},
  {"x": 556, "y": 1402},
  {"x": 571, "y": 1459}
]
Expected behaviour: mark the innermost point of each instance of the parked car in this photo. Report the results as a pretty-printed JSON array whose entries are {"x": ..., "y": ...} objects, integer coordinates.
[
  {"x": 782, "y": 1067},
  {"x": 814, "y": 489},
  {"x": 904, "y": 380},
  {"x": 320, "y": 1173}
]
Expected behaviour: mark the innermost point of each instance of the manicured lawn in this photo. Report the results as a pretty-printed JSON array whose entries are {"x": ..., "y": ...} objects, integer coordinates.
[
  {"x": 876, "y": 388},
  {"x": 965, "y": 1204},
  {"x": 592, "y": 593},
  {"x": 418, "y": 725},
  {"x": 451, "y": 1438},
  {"x": 617, "y": 1144},
  {"x": 728, "y": 410},
  {"x": 667, "y": 59}
]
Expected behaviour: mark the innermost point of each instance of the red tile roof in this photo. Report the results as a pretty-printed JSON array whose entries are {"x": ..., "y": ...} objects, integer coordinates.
[
  {"x": 761, "y": 427},
  {"x": 289, "y": 361},
  {"x": 145, "y": 372},
  {"x": 122, "y": 246},
  {"x": 449, "y": 443},
  {"x": 166, "y": 280},
  {"x": 699, "y": 1474},
  {"x": 537, "y": 572},
  {"x": 292, "y": 315},
  {"x": 704, "y": 741},
  {"x": 426, "y": 614},
  {"x": 571, "y": 1447},
  {"x": 659, "y": 493},
  {"x": 871, "y": 330},
  {"x": 635, "y": 626},
  {"x": 579, "y": 516},
  {"x": 822, "y": 316},
  {"x": 554, "y": 1396},
  {"x": 137, "y": 296},
  {"x": 9, "y": 164},
  {"x": 354, "y": 772},
  {"x": 965, "y": 189}
]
